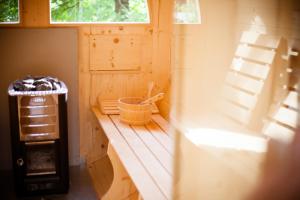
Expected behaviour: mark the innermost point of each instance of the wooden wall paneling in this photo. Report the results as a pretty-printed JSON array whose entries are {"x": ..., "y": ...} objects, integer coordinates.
[
  {"x": 161, "y": 73},
  {"x": 98, "y": 145},
  {"x": 84, "y": 91},
  {"x": 115, "y": 52},
  {"x": 147, "y": 56},
  {"x": 111, "y": 29},
  {"x": 115, "y": 85},
  {"x": 83, "y": 52},
  {"x": 85, "y": 114},
  {"x": 165, "y": 105}
]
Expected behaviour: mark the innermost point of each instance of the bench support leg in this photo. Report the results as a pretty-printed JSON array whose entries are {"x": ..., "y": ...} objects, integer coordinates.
[{"x": 122, "y": 187}]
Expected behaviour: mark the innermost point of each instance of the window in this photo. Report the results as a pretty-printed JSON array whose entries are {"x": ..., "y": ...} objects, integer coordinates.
[
  {"x": 9, "y": 11},
  {"x": 99, "y": 11},
  {"x": 187, "y": 12}
]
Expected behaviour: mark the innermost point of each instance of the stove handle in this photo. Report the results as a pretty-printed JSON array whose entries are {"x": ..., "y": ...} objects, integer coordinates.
[{"x": 20, "y": 162}]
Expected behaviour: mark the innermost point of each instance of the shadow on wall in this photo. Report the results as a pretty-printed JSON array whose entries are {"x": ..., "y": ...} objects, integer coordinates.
[{"x": 50, "y": 52}]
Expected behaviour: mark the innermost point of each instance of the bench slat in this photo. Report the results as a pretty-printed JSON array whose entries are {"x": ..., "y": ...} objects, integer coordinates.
[
  {"x": 161, "y": 136},
  {"x": 152, "y": 165},
  {"x": 139, "y": 175},
  {"x": 292, "y": 100},
  {"x": 278, "y": 131},
  {"x": 287, "y": 116},
  {"x": 259, "y": 39},
  {"x": 248, "y": 84},
  {"x": 240, "y": 97},
  {"x": 236, "y": 112},
  {"x": 250, "y": 68},
  {"x": 256, "y": 54},
  {"x": 161, "y": 154},
  {"x": 164, "y": 125}
]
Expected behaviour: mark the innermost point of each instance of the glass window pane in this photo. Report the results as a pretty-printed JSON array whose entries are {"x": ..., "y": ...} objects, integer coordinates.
[
  {"x": 187, "y": 12},
  {"x": 9, "y": 11},
  {"x": 101, "y": 11}
]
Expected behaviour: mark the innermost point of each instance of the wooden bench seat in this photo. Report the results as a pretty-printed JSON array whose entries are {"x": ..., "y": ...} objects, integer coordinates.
[{"x": 146, "y": 153}]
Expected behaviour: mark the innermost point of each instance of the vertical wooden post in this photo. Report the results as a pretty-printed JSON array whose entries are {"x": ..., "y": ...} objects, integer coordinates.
[{"x": 35, "y": 13}]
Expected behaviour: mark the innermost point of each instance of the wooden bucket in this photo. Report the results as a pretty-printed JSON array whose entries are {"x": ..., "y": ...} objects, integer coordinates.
[{"x": 134, "y": 113}]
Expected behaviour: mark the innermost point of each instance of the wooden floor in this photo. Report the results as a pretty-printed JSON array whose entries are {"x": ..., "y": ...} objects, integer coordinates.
[{"x": 81, "y": 187}]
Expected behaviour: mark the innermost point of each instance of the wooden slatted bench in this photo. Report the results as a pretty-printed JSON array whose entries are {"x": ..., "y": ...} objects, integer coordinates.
[{"x": 146, "y": 154}]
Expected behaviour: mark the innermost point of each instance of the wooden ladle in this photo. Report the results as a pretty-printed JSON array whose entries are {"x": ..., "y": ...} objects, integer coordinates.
[{"x": 153, "y": 99}]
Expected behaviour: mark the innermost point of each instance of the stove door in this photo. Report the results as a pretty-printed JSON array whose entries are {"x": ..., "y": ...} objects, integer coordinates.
[{"x": 40, "y": 158}]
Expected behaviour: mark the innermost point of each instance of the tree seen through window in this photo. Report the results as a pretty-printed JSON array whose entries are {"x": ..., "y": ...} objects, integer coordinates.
[
  {"x": 9, "y": 11},
  {"x": 99, "y": 11}
]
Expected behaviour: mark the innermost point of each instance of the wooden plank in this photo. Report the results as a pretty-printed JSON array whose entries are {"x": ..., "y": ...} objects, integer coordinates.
[
  {"x": 250, "y": 68},
  {"x": 278, "y": 131},
  {"x": 258, "y": 39},
  {"x": 236, "y": 112},
  {"x": 161, "y": 177},
  {"x": 255, "y": 54},
  {"x": 143, "y": 181},
  {"x": 161, "y": 137},
  {"x": 286, "y": 116},
  {"x": 239, "y": 97},
  {"x": 292, "y": 100},
  {"x": 110, "y": 107},
  {"x": 122, "y": 186},
  {"x": 34, "y": 13},
  {"x": 107, "y": 52},
  {"x": 161, "y": 154},
  {"x": 102, "y": 175},
  {"x": 245, "y": 83},
  {"x": 164, "y": 125}
]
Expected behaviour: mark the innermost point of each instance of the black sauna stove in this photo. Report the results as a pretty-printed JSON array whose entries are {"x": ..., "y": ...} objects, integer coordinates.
[{"x": 39, "y": 136}]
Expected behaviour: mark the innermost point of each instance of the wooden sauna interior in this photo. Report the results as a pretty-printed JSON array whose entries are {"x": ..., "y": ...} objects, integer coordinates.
[{"x": 230, "y": 83}]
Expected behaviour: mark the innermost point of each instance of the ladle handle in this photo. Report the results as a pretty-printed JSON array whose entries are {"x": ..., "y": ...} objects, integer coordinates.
[
  {"x": 154, "y": 98},
  {"x": 150, "y": 88}
]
